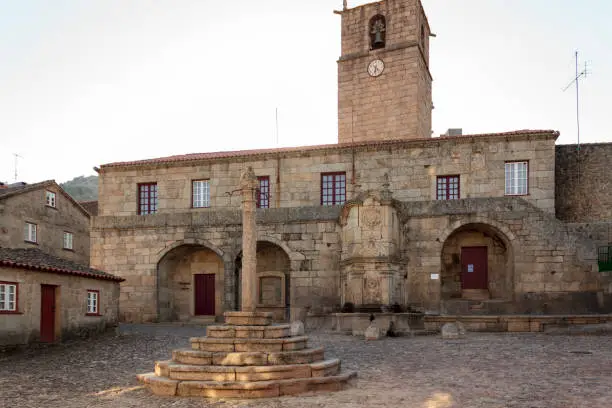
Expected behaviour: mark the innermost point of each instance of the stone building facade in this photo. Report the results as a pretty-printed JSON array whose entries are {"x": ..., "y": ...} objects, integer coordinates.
[
  {"x": 47, "y": 299},
  {"x": 44, "y": 216},
  {"x": 388, "y": 216}
]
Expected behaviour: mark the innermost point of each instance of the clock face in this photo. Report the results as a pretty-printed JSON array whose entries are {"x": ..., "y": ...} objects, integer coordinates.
[{"x": 376, "y": 68}]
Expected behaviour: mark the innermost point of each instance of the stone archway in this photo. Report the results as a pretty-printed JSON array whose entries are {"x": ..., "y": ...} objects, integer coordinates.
[
  {"x": 273, "y": 279},
  {"x": 190, "y": 282},
  {"x": 473, "y": 249}
]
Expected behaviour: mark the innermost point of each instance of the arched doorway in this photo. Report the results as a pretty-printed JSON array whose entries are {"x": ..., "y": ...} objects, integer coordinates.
[
  {"x": 273, "y": 280},
  {"x": 190, "y": 283},
  {"x": 477, "y": 264}
]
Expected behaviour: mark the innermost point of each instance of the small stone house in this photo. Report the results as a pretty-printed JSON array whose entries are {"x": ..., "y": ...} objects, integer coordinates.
[
  {"x": 44, "y": 216},
  {"x": 47, "y": 290},
  {"x": 44, "y": 298},
  {"x": 498, "y": 223}
]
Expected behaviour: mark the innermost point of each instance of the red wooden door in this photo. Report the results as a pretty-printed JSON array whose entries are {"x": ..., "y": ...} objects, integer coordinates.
[
  {"x": 47, "y": 313},
  {"x": 204, "y": 294},
  {"x": 474, "y": 268}
]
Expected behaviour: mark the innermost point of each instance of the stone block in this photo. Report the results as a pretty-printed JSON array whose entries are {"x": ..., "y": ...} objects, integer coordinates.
[
  {"x": 161, "y": 368},
  {"x": 240, "y": 358},
  {"x": 261, "y": 389},
  {"x": 208, "y": 344},
  {"x": 296, "y": 357},
  {"x": 275, "y": 372},
  {"x": 189, "y": 356},
  {"x": 248, "y": 318},
  {"x": 297, "y": 328},
  {"x": 249, "y": 332},
  {"x": 373, "y": 333},
  {"x": 184, "y": 372},
  {"x": 159, "y": 385},
  {"x": 450, "y": 331},
  {"x": 325, "y": 368},
  {"x": 220, "y": 332}
]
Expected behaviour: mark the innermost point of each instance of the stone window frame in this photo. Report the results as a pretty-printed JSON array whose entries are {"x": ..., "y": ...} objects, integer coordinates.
[
  {"x": 93, "y": 294},
  {"x": 50, "y": 199},
  {"x": 271, "y": 274},
  {"x": 263, "y": 192},
  {"x": 70, "y": 236},
  {"x": 205, "y": 198},
  {"x": 148, "y": 200},
  {"x": 328, "y": 199},
  {"x": 514, "y": 189},
  {"x": 30, "y": 232},
  {"x": 6, "y": 301},
  {"x": 448, "y": 181}
]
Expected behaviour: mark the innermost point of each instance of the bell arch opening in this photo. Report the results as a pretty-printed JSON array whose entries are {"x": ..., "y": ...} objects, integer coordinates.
[
  {"x": 378, "y": 32},
  {"x": 476, "y": 264},
  {"x": 190, "y": 282}
]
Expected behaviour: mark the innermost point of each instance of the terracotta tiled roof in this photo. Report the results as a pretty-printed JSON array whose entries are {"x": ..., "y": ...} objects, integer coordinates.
[
  {"x": 36, "y": 260},
  {"x": 90, "y": 206},
  {"x": 243, "y": 153},
  {"x": 12, "y": 191}
]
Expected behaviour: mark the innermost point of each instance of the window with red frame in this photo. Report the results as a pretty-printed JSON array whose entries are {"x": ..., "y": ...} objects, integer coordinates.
[
  {"x": 447, "y": 188},
  {"x": 8, "y": 297},
  {"x": 147, "y": 198},
  {"x": 263, "y": 192},
  {"x": 333, "y": 188}
]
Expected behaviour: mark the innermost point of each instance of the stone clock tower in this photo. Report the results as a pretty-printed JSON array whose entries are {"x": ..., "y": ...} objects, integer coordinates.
[{"x": 384, "y": 83}]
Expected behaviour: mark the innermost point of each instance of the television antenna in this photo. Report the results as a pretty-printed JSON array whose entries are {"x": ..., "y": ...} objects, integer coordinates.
[
  {"x": 576, "y": 81},
  {"x": 17, "y": 156}
]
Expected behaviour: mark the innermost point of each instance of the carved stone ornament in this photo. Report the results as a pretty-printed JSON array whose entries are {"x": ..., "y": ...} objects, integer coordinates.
[
  {"x": 371, "y": 217},
  {"x": 248, "y": 179}
]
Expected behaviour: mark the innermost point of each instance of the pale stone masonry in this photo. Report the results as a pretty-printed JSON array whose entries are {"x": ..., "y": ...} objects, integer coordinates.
[
  {"x": 295, "y": 173},
  {"x": 27, "y": 204},
  {"x": 450, "y": 225},
  {"x": 397, "y": 103},
  {"x": 67, "y": 312}
]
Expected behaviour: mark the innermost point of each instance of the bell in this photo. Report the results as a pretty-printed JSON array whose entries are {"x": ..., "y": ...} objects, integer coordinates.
[{"x": 378, "y": 40}]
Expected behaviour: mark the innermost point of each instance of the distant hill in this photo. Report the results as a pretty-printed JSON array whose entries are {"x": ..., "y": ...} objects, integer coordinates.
[{"x": 82, "y": 188}]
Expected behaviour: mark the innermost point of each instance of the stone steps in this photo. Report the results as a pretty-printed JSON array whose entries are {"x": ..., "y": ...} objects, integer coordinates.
[
  {"x": 250, "y": 358},
  {"x": 248, "y": 344},
  {"x": 190, "y": 372},
  {"x": 235, "y": 389},
  {"x": 249, "y": 332},
  {"x": 304, "y": 356}
]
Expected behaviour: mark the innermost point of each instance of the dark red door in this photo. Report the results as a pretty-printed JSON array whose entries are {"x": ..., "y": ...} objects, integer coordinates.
[
  {"x": 47, "y": 313},
  {"x": 204, "y": 294},
  {"x": 474, "y": 268}
]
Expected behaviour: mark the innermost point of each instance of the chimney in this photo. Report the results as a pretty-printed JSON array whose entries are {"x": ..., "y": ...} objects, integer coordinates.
[{"x": 453, "y": 132}]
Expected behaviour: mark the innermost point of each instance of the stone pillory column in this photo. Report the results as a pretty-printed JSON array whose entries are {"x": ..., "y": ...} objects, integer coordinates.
[{"x": 248, "y": 187}]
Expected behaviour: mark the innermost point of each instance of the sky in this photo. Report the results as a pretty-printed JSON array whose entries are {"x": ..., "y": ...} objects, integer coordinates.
[{"x": 88, "y": 82}]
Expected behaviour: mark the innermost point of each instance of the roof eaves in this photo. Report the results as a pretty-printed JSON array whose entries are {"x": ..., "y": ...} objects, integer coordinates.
[
  {"x": 196, "y": 157},
  {"x": 44, "y": 268}
]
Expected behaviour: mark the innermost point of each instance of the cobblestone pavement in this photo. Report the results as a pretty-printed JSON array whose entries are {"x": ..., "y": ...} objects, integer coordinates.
[{"x": 483, "y": 370}]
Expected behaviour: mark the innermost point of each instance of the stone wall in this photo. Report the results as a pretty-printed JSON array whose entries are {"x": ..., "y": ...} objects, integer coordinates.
[
  {"x": 295, "y": 176},
  {"x": 397, "y": 104},
  {"x": 583, "y": 189},
  {"x": 51, "y": 223},
  {"x": 132, "y": 247},
  {"x": 71, "y": 306},
  {"x": 550, "y": 266},
  {"x": 554, "y": 269}
]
